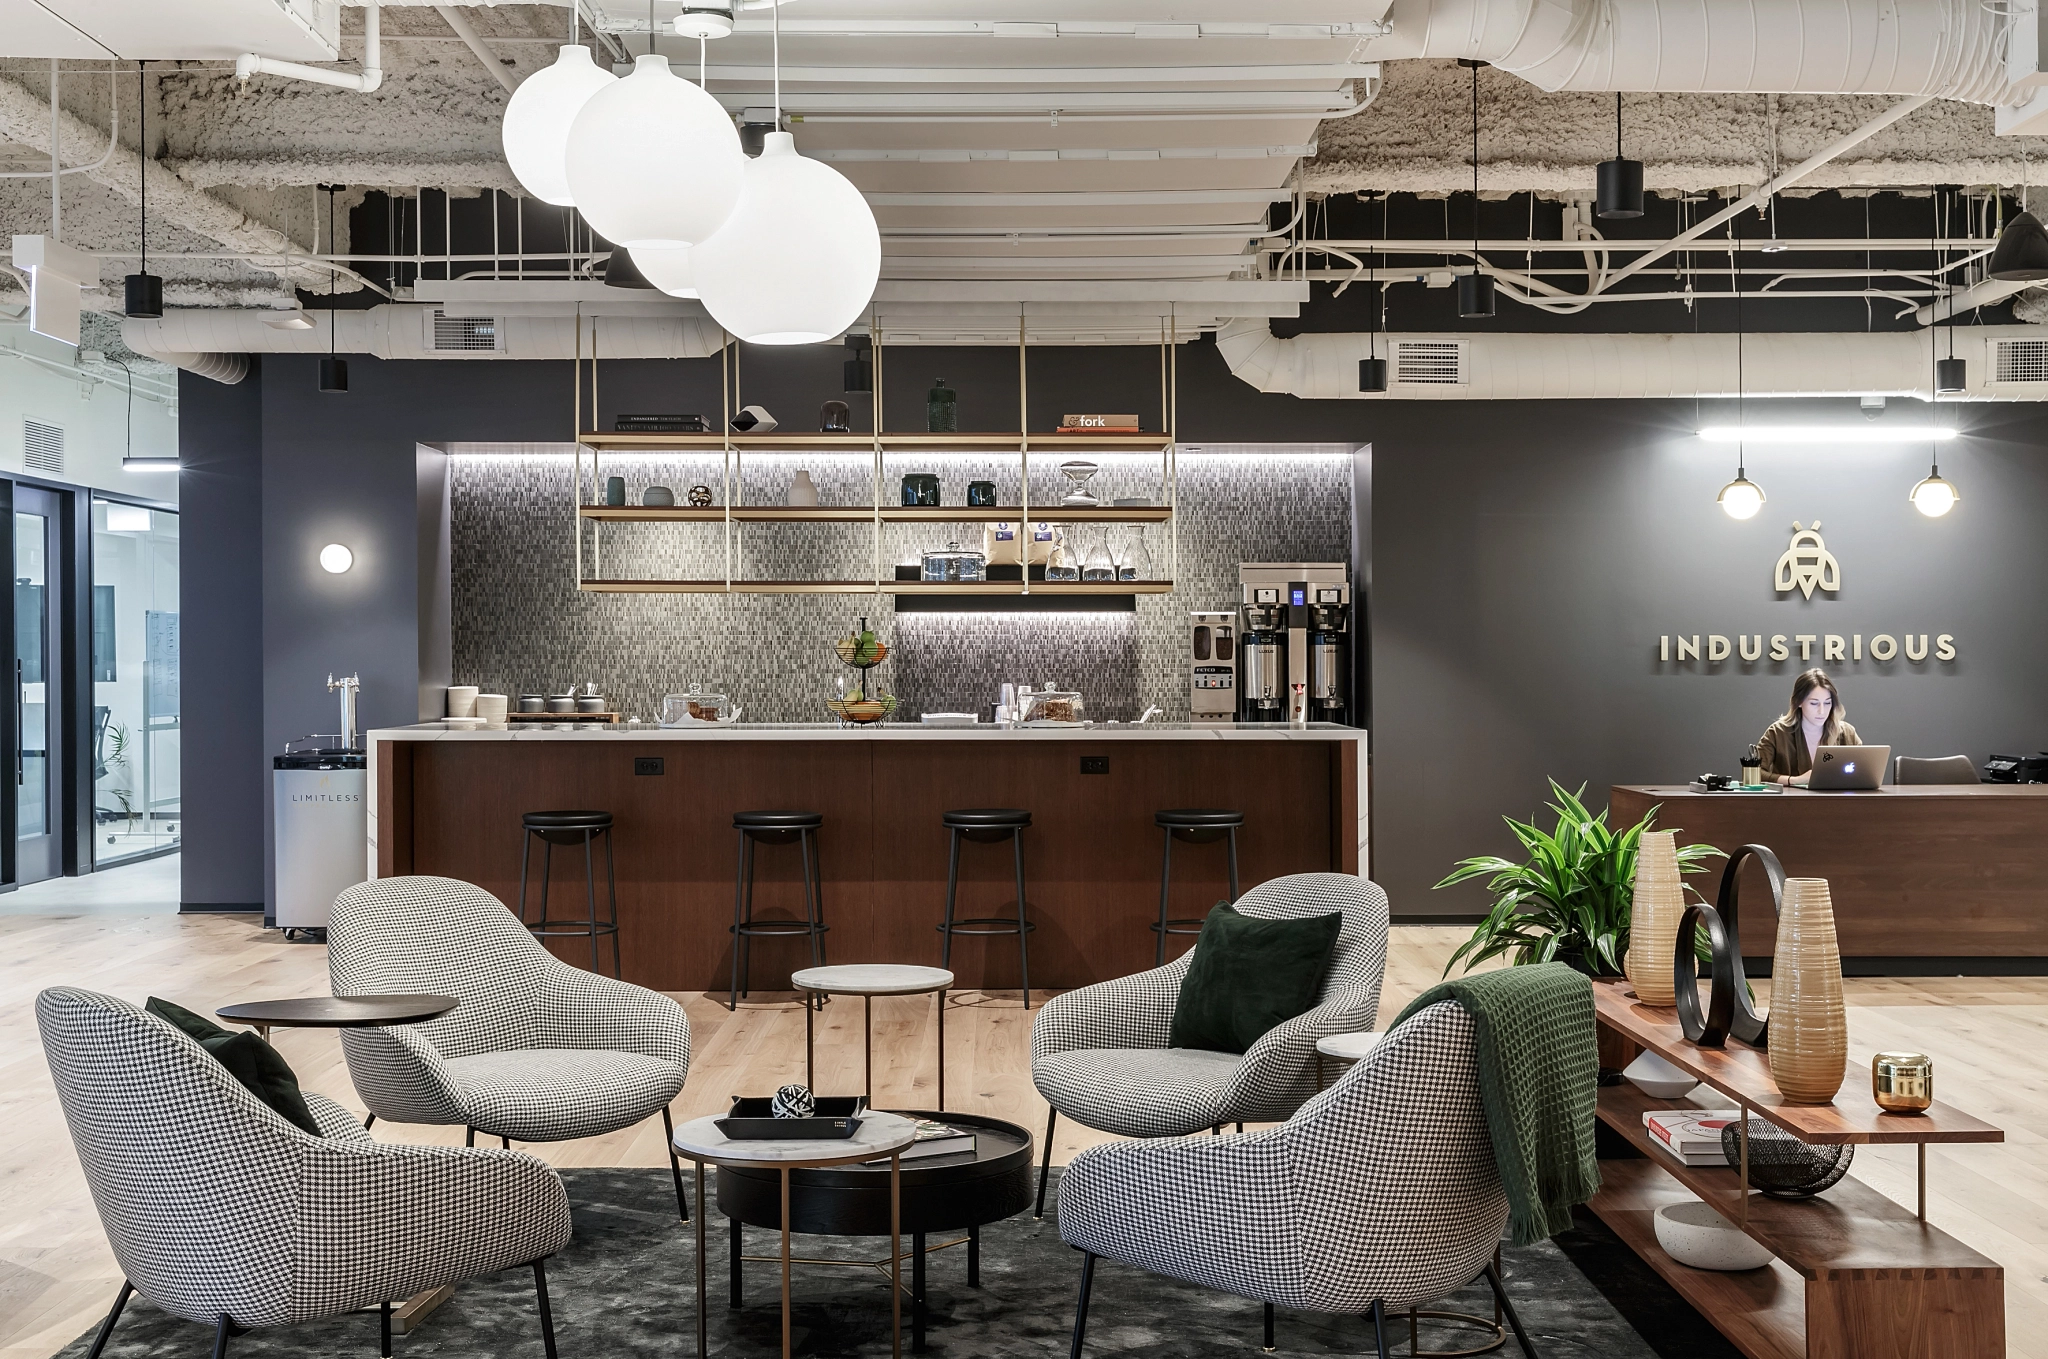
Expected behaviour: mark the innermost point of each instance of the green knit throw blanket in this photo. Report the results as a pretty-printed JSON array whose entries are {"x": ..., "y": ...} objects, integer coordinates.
[{"x": 1539, "y": 1071}]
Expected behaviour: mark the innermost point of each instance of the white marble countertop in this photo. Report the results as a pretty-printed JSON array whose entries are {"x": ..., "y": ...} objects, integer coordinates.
[
  {"x": 873, "y": 979},
  {"x": 884, "y": 731}
]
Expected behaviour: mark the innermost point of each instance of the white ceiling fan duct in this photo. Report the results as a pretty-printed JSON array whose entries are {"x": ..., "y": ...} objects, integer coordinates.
[
  {"x": 1951, "y": 48},
  {"x": 2006, "y": 363}
]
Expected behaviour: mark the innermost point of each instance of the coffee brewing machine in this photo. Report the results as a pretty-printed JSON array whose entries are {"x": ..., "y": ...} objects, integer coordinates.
[
  {"x": 1295, "y": 630},
  {"x": 1212, "y": 661}
]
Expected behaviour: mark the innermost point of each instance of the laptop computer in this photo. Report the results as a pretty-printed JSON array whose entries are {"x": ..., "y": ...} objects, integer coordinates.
[{"x": 1850, "y": 769}]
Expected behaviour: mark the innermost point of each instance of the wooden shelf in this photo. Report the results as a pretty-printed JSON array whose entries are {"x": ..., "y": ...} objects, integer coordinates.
[
  {"x": 864, "y": 587},
  {"x": 1743, "y": 1074},
  {"x": 861, "y": 514},
  {"x": 796, "y": 441}
]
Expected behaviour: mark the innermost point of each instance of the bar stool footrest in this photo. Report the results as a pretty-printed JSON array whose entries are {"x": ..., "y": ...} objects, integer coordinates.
[
  {"x": 772, "y": 928},
  {"x": 986, "y": 925},
  {"x": 1183, "y": 926},
  {"x": 549, "y": 929}
]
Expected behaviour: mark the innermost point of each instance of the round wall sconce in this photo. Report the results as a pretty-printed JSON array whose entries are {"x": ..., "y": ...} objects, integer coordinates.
[{"x": 335, "y": 559}]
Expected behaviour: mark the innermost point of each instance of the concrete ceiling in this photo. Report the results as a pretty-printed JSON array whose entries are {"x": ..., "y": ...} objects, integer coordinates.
[{"x": 1131, "y": 147}]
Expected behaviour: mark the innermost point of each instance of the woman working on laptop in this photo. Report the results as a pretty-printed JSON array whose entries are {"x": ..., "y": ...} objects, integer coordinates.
[{"x": 1814, "y": 720}]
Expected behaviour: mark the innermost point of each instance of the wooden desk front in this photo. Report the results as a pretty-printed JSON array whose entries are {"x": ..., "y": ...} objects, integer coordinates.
[{"x": 1936, "y": 871}]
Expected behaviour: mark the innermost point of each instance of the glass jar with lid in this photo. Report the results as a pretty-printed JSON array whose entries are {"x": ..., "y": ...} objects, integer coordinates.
[
  {"x": 953, "y": 563},
  {"x": 697, "y": 707},
  {"x": 1051, "y": 707}
]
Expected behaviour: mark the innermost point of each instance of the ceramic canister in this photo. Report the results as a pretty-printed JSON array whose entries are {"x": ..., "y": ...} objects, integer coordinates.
[
  {"x": 1659, "y": 901},
  {"x": 1809, "y": 1038},
  {"x": 462, "y": 700}
]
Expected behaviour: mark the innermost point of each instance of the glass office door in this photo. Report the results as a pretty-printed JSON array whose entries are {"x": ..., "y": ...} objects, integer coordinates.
[
  {"x": 133, "y": 737},
  {"x": 38, "y": 685}
]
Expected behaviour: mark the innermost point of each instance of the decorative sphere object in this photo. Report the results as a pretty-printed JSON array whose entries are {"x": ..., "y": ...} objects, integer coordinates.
[
  {"x": 700, "y": 496},
  {"x": 1693, "y": 1234},
  {"x": 1781, "y": 1165},
  {"x": 793, "y": 1101},
  {"x": 1902, "y": 1082}
]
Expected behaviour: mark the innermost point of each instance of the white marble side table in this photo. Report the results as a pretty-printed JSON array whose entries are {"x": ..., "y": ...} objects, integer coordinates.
[
  {"x": 879, "y": 1135},
  {"x": 868, "y": 980},
  {"x": 1344, "y": 1047}
]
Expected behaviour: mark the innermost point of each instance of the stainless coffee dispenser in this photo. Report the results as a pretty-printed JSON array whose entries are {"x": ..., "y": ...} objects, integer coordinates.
[
  {"x": 1262, "y": 664},
  {"x": 1306, "y": 608},
  {"x": 1212, "y": 660}
]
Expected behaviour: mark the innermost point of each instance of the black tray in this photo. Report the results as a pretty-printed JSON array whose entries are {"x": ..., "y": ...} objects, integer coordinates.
[{"x": 751, "y": 1119}]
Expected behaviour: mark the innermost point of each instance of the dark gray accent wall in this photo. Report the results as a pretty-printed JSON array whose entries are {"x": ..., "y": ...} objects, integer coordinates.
[
  {"x": 1528, "y": 556},
  {"x": 220, "y": 572}
]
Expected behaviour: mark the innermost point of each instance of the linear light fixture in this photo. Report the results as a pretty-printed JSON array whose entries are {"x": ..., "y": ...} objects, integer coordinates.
[
  {"x": 149, "y": 464},
  {"x": 1826, "y": 434}
]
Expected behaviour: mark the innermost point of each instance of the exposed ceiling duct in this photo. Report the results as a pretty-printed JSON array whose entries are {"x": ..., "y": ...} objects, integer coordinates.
[
  {"x": 2006, "y": 363},
  {"x": 1953, "y": 49}
]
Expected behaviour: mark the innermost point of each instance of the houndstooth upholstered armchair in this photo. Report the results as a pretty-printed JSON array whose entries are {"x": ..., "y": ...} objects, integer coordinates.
[
  {"x": 538, "y": 1051},
  {"x": 223, "y": 1212},
  {"x": 1381, "y": 1193},
  {"x": 1099, "y": 1054}
]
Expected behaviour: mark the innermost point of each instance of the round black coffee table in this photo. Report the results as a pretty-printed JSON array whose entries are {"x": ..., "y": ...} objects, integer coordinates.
[
  {"x": 336, "y": 1012},
  {"x": 961, "y": 1191}
]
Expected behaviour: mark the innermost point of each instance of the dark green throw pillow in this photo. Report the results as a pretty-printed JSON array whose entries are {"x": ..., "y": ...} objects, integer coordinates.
[
  {"x": 1250, "y": 974},
  {"x": 248, "y": 1059}
]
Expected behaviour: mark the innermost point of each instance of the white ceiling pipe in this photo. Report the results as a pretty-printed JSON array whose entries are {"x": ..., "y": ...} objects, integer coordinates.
[
  {"x": 1526, "y": 367},
  {"x": 1988, "y": 293},
  {"x": 400, "y": 330},
  {"x": 249, "y": 64},
  {"x": 1951, "y": 49},
  {"x": 463, "y": 29}
]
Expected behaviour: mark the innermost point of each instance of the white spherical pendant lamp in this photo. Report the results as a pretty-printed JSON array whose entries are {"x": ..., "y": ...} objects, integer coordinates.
[
  {"x": 668, "y": 268},
  {"x": 653, "y": 160},
  {"x": 536, "y": 126},
  {"x": 797, "y": 263}
]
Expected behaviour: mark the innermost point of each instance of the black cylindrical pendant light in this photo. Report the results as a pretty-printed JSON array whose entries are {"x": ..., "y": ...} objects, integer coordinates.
[
  {"x": 144, "y": 291},
  {"x": 333, "y": 372},
  {"x": 1475, "y": 296},
  {"x": 1372, "y": 375},
  {"x": 1951, "y": 376},
  {"x": 1620, "y": 181},
  {"x": 621, "y": 272},
  {"x": 1475, "y": 290},
  {"x": 2021, "y": 255},
  {"x": 859, "y": 366}
]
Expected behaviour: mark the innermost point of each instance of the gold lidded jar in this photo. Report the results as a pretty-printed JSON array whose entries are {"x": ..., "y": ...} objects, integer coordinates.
[{"x": 1902, "y": 1082}]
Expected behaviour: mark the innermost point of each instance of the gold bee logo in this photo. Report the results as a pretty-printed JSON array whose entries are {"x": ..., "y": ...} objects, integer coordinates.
[{"x": 1807, "y": 563}]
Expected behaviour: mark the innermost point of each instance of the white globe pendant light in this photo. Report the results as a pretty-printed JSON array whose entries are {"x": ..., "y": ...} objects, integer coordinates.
[
  {"x": 653, "y": 160},
  {"x": 798, "y": 260},
  {"x": 536, "y": 126},
  {"x": 667, "y": 267}
]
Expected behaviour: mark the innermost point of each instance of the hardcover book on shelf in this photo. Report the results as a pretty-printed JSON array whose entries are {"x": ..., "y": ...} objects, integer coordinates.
[
  {"x": 1098, "y": 424},
  {"x": 1691, "y": 1135}
]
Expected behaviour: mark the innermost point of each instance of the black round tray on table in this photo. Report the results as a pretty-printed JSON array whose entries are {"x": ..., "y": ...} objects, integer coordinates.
[{"x": 959, "y": 1192}]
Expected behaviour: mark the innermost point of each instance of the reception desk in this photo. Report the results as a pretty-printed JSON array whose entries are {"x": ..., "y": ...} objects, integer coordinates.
[
  {"x": 1946, "y": 871},
  {"x": 449, "y": 803}
]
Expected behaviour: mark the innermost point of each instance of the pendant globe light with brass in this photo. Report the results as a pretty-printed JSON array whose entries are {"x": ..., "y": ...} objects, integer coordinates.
[
  {"x": 1475, "y": 290},
  {"x": 798, "y": 260},
  {"x": 654, "y": 160},
  {"x": 1620, "y": 182},
  {"x": 1932, "y": 495}
]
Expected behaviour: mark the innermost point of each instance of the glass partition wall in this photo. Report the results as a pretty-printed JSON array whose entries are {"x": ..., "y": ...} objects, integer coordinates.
[{"x": 133, "y": 733}]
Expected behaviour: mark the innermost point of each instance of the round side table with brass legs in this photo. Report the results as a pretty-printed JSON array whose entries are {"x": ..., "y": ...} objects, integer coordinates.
[
  {"x": 868, "y": 980},
  {"x": 879, "y": 1135}
]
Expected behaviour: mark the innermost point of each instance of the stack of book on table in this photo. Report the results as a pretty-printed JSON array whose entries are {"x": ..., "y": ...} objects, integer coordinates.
[
  {"x": 1691, "y": 1135},
  {"x": 935, "y": 1139}
]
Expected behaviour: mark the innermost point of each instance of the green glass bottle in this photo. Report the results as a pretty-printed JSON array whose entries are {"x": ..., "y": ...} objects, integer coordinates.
[{"x": 942, "y": 409}]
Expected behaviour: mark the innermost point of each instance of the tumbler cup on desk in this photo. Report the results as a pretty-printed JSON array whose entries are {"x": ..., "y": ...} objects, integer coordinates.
[
  {"x": 462, "y": 700},
  {"x": 491, "y": 707}
]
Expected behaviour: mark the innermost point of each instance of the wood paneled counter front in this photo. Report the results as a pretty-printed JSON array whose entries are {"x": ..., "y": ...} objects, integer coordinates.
[
  {"x": 1918, "y": 871},
  {"x": 449, "y": 803}
]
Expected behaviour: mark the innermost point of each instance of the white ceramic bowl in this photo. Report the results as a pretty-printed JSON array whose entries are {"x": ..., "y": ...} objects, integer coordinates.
[
  {"x": 1658, "y": 1078},
  {"x": 1692, "y": 1233}
]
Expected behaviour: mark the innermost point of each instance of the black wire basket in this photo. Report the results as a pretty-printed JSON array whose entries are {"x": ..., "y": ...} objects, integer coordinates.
[{"x": 1781, "y": 1165}]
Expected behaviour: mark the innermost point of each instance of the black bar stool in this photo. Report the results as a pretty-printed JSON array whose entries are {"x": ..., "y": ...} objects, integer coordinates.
[
  {"x": 570, "y": 828},
  {"x": 774, "y": 828},
  {"x": 1196, "y": 826},
  {"x": 988, "y": 826}
]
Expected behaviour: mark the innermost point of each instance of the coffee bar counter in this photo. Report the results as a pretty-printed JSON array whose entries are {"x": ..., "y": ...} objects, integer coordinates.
[
  {"x": 1916, "y": 873},
  {"x": 449, "y": 802}
]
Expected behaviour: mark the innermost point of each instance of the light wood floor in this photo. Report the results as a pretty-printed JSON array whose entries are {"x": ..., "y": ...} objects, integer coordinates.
[{"x": 1988, "y": 1037}]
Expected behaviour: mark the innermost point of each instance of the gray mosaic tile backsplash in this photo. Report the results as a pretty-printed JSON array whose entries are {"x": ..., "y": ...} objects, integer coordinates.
[{"x": 521, "y": 626}]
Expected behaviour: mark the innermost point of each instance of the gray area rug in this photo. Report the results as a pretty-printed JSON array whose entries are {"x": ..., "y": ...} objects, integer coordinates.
[{"x": 625, "y": 1286}]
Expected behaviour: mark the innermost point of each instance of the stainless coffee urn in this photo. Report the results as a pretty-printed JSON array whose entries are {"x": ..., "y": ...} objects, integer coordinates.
[
  {"x": 1212, "y": 661},
  {"x": 1305, "y": 608},
  {"x": 1262, "y": 663}
]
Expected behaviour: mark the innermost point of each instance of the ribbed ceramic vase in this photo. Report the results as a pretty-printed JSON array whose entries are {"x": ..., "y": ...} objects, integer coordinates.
[
  {"x": 1658, "y": 902},
  {"x": 1809, "y": 1037}
]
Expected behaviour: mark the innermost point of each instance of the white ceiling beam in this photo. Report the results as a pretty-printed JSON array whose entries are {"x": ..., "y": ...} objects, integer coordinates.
[
  {"x": 1043, "y": 75},
  {"x": 945, "y": 156},
  {"x": 1134, "y": 198},
  {"x": 793, "y": 27},
  {"x": 1218, "y": 104}
]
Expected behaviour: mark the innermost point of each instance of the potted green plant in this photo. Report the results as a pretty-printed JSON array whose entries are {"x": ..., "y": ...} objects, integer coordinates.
[{"x": 1569, "y": 899}]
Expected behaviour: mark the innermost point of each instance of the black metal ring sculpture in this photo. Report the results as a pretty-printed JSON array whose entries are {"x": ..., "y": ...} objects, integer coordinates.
[{"x": 1729, "y": 1010}]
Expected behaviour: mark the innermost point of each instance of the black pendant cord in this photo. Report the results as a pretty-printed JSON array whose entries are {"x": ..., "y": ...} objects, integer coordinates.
[
  {"x": 331, "y": 275},
  {"x": 142, "y": 160},
  {"x": 1475, "y": 168},
  {"x": 1735, "y": 279},
  {"x": 1617, "y": 124}
]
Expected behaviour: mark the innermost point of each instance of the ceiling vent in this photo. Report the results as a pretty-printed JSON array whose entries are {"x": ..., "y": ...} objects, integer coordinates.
[
  {"x": 1429, "y": 363},
  {"x": 2020, "y": 361},
  {"x": 42, "y": 447},
  {"x": 464, "y": 334}
]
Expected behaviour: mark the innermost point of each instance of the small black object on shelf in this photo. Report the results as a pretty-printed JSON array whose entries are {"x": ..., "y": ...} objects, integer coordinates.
[{"x": 1781, "y": 1165}]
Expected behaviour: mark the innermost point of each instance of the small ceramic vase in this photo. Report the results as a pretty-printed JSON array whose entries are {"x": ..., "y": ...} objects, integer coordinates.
[
  {"x": 802, "y": 490},
  {"x": 1809, "y": 1036}
]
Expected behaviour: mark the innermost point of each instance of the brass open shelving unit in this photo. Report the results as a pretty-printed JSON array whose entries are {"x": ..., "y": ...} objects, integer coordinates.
[{"x": 733, "y": 513}]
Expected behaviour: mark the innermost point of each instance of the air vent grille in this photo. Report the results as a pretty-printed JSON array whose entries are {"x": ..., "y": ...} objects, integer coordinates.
[
  {"x": 2022, "y": 361},
  {"x": 464, "y": 334},
  {"x": 42, "y": 447},
  {"x": 1429, "y": 363}
]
